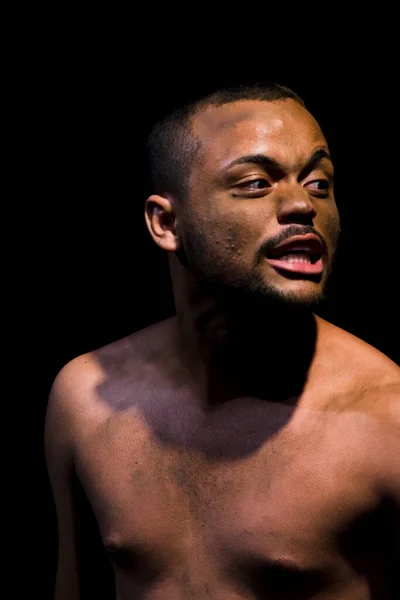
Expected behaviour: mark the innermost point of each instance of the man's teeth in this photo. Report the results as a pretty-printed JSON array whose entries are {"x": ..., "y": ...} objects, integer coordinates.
[{"x": 296, "y": 258}]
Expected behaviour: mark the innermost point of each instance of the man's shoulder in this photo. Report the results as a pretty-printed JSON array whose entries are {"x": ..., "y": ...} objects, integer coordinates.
[
  {"x": 366, "y": 397},
  {"x": 81, "y": 383},
  {"x": 353, "y": 357},
  {"x": 356, "y": 377}
]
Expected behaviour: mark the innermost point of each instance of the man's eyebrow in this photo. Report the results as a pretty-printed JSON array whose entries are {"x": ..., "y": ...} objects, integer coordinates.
[
  {"x": 316, "y": 157},
  {"x": 265, "y": 161}
]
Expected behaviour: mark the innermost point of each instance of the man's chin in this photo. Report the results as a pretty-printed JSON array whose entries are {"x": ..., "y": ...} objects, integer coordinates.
[
  {"x": 283, "y": 298},
  {"x": 243, "y": 293}
]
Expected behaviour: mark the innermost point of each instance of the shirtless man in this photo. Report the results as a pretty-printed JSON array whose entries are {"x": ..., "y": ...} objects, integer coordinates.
[{"x": 244, "y": 449}]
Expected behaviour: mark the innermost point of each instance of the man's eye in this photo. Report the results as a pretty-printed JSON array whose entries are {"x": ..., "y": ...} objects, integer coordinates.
[
  {"x": 254, "y": 184},
  {"x": 318, "y": 184}
]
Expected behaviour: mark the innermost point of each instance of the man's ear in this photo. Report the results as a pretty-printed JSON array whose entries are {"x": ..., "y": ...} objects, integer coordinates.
[{"x": 160, "y": 219}]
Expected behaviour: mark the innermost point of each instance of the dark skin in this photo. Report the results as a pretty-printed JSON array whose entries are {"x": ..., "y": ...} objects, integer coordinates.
[
  {"x": 252, "y": 186},
  {"x": 246, "y": 448}
]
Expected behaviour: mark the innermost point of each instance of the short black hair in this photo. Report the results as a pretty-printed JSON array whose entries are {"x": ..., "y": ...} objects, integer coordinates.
[{"x": 172, "y": 147}]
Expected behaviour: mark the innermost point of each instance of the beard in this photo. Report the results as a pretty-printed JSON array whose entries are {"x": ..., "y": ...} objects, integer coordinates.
[{"x": 238, "y": 288}]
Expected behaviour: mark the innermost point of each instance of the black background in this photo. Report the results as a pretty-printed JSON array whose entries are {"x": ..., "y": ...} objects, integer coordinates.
[{"x": 91, "y": 271}]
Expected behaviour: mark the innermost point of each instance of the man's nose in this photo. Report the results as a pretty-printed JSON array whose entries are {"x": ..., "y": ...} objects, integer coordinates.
[{"x": 295, "y": 205}]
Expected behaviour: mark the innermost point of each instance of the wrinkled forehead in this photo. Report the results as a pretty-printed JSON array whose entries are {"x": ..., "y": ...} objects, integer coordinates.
[{"x": 282, "y": 129}]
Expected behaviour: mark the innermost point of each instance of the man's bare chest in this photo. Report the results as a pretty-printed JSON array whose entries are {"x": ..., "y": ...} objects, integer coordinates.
[{"x": 242, "y": 482}]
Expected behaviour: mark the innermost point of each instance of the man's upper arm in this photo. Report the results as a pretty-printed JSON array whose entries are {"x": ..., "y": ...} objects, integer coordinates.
[
  {"x": 391, "y": 442},
  {"x": 390, "y": 471},
  {"x": 58, "y": 451}
]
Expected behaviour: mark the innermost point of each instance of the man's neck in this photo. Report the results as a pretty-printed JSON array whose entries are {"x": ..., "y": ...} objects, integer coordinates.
[{"x": 236, "y": 344}]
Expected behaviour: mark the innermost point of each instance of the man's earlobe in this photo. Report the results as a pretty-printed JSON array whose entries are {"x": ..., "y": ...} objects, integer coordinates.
[{"x": 161, "y": 222}]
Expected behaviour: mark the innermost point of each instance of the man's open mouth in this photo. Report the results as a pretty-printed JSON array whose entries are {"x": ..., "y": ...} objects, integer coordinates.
[{"x": 299, "y": 254}]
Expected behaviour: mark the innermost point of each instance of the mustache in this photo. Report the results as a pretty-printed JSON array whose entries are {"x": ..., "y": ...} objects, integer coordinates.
[{"x": 290, "y": 231}]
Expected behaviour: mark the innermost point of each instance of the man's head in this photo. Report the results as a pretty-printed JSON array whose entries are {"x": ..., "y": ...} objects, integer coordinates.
[
  {"x": 172, "y": 147},
  {"x": 246, "y": 170}
]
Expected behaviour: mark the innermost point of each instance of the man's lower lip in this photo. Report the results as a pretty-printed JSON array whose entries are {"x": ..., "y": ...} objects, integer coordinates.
[{"x": 297, "y": 267}]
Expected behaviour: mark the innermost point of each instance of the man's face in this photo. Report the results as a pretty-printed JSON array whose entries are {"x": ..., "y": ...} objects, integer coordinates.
[{"x": 262, "y": 176}]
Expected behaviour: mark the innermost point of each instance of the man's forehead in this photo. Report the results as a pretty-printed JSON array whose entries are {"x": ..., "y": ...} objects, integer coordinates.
[
  {"x": 219, "y": 118},
  {"x": 242, "y": 124}
]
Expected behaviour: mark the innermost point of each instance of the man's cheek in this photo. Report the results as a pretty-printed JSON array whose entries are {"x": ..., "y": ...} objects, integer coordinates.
[{"x": 333, "y": 230}]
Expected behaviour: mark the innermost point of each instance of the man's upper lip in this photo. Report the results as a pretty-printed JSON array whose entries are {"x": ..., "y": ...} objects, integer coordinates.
[{"x": 308, "y": 242}]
